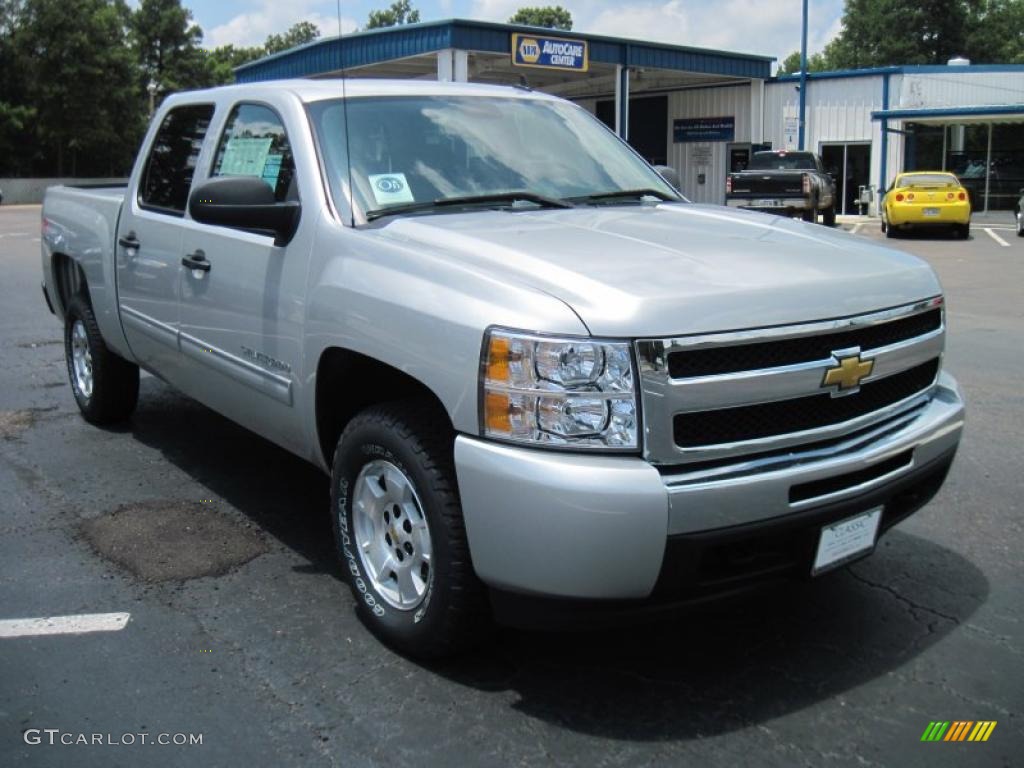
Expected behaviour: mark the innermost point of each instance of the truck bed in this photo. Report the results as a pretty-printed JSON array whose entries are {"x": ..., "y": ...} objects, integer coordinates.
[{"x": 82, "y": 221}]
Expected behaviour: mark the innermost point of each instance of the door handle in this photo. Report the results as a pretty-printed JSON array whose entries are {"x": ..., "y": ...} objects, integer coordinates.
[
  {"x": 129, "y": 241},
  {"x": 196, "y": 260}
]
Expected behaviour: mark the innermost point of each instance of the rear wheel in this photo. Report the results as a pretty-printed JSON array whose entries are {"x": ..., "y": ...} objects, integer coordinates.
[
  {"x": 105, "y": 386},
  {"x": 811, "y": 214},
  {"x": 829, "y": 216},
  {"x": 1020, "y": 223},
  {"x": 963, "y": 231},
  {"x": 400, "y": 533}
]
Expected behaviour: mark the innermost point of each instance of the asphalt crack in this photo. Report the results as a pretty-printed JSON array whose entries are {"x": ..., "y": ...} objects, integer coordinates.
[{"x": 911, "y": 605}]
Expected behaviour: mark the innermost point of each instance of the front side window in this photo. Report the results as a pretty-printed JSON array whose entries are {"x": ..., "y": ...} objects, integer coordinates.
[
  {"x": 255, "y": 143},
  {"x": 171, "y": 164},
  {"x": 410, "y": 150}
]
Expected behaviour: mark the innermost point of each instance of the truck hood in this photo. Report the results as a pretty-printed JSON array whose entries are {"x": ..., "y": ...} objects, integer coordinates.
[{"x": 674, "y": 269}]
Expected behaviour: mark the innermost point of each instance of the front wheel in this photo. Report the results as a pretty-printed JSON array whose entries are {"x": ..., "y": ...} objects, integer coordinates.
[
  {"x": 400, "y": 533},
  {"x": 811, "y": 214},
  {"x": 1020, "y": 223},
  {"x": 106, "y": 387},
  {"x": 828, "y": 218}
]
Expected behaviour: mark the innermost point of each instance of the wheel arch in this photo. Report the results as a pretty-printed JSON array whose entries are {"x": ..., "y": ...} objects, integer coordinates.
[
  {"x": 349, "y": 381},
  {"x": 68, "y": 280}
]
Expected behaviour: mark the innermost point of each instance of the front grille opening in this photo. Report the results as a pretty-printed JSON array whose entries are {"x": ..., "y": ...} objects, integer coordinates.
[
  {"x": 825, "y": 486},
  {"x": 805, "y": 349},
  {"x": 753, "y": 422},
  {"x": 877, "y": 430}
]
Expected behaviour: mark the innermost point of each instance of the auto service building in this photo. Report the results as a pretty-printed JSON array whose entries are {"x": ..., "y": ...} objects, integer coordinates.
[{"x": 704, "y": 111}]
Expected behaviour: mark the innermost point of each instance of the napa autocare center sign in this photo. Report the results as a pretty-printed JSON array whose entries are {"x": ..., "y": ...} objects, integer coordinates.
[
  {"x": 543, "y": 52},
  {"x": 702, "y": 129}
]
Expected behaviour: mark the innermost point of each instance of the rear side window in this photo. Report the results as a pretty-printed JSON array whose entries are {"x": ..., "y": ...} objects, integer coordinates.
[
  {"x": 255, "y": 143},
  {"x": 172, "y": 159}
]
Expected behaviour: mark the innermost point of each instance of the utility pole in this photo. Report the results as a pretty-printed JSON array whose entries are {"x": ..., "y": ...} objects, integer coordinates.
[{"x": 803, "y": 79}]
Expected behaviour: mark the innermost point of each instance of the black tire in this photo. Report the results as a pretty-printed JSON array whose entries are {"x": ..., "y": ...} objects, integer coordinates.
[
  {"x": 963, "y": 231},
  {"x": 885, "y": 226},
  {"x": 828, "y": 218},
  {"x": 891, "y": 231},
  {"x": 1020, "y": 223},
  {"x": 453, "y": 613},
  {"x": 114, "y": 381},
  {"x": 811, "y": 214}
]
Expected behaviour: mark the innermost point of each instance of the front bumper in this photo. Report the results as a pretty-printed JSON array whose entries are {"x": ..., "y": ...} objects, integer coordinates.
[{"x": 616, "y": 528}]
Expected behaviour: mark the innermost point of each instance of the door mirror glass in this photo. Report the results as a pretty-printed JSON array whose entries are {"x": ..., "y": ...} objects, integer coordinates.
[{"x": 247, "y": 203}]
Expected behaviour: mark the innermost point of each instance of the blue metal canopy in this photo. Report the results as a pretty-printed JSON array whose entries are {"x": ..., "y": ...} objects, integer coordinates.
[{"x": 391, "y": 43}]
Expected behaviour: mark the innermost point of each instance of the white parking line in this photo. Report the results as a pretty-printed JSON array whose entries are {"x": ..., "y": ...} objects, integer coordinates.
[
  {"x": 64, "y": 625},
  {"x": 856, "y": 229},
  {"x": 996, "y": 237}
]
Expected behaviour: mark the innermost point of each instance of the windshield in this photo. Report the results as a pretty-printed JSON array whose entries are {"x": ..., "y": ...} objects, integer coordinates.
[
  {"x": 411, "y": 150},
  {"x": 782, "y": 161}
]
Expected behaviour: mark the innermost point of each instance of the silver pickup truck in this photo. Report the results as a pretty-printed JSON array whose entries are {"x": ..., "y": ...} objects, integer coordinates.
[{"x": 543, "y": 384}]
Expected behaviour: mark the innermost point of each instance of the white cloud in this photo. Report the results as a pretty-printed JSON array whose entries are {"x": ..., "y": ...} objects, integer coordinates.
[{"x": 272, "y": 17}]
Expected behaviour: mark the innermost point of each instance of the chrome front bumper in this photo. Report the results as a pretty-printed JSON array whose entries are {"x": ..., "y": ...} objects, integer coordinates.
[{"x": 580, "y": 526}]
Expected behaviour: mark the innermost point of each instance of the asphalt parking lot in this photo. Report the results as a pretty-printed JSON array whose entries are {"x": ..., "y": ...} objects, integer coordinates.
[{"x": 218, "y": 545}]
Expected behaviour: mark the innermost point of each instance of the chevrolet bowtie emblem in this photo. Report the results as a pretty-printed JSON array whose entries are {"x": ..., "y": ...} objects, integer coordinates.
[{"x": 849, "y": 373}]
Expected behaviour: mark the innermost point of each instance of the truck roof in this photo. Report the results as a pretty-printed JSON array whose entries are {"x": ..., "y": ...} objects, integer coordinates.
[{"x": 331, "y": 88}]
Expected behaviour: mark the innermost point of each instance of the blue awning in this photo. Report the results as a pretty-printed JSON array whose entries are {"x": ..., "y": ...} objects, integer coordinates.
[{"x": 376, "y": 46}]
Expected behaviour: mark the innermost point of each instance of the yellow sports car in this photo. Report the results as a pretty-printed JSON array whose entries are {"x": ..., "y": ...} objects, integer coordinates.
[{"x": 926, "y": 199}]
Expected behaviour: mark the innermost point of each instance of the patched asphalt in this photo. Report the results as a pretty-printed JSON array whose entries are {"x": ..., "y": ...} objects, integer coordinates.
[
  {"x": 174, "y": 541},
  {"x": 219, "y": 545}
]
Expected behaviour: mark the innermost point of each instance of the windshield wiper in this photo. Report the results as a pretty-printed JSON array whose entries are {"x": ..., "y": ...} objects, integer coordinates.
[
  {"x": 625, "y": 193},
  {"x": 446, "y": 202}
]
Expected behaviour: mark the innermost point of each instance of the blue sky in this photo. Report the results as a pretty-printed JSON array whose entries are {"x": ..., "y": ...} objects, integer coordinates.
[{"x": 770, "y": 27}]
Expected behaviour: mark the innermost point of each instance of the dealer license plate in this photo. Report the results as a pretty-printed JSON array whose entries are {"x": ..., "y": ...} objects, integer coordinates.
[
  {"x": 931, "y": 211},
  {"x": 766, "y": 204},
  {"x": 846, "y": 540}
]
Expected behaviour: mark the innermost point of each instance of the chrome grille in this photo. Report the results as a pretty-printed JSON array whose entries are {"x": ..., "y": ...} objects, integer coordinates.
[{"x": 743, "y": 393}]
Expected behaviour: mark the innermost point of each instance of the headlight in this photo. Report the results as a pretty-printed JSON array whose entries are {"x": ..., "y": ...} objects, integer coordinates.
[{"x": 573, "y": 393}]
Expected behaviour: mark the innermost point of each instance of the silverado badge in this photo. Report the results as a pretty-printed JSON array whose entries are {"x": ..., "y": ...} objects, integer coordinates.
[{"x": 849, "y": 373}]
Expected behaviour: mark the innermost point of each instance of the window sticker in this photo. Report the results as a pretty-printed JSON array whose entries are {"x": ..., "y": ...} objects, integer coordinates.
[
  {"x": 390, "y": 188},
  {"x": 272, "y": 169},
  {"x": 245, "y": 157}
]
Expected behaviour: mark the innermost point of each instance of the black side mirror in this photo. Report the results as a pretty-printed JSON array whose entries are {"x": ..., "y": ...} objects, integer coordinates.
[
  {"x": 245, "y": 202},
  {"x": 669, "y": 174}
]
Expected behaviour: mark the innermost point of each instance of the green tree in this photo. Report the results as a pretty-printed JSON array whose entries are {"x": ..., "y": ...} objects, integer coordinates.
[
  {"x": 222, "y": 60},
  {"x": 82, "y": 78},
  {"x": 550, "y": 16},
  {"x": 299, "y": 34},
  {"x": 995, "y": 32},
  {"x": 400, "y": 12},
  {"x": 167, "y": 43},
  {"x": 877, "y": 33},
  {"x": 816, "y": 62}
]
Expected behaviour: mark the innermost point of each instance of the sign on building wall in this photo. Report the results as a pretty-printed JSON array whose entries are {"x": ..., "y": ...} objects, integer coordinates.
[
  {"x": 704, "y": 129},
  {"x": 790, "y": 131},
  {"x": 550, "y": 52},
  {"x": 700, "y": 154}
]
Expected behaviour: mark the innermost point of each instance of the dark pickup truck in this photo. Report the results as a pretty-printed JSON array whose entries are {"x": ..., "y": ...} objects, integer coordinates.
[{"x": 783, "y": 182}]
